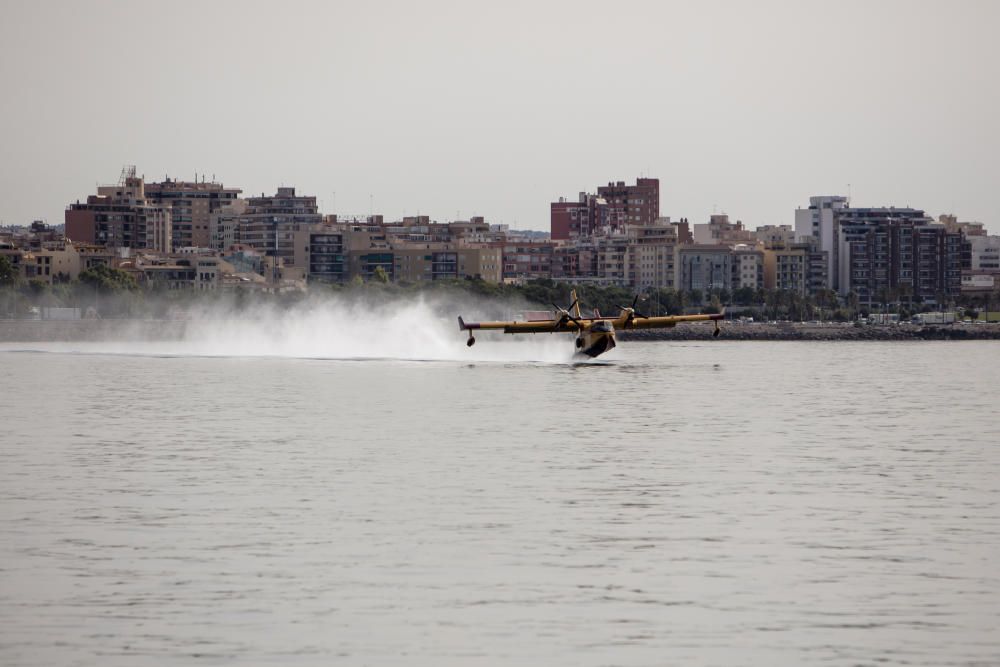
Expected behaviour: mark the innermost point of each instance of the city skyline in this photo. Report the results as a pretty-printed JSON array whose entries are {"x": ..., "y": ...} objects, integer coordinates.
[
  {"x": 541, "y": 226},
  {"x": 452, "y": 111}
]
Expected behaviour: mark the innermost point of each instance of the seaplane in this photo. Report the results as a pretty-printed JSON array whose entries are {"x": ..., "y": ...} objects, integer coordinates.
[{"x": 594, "y": 335}]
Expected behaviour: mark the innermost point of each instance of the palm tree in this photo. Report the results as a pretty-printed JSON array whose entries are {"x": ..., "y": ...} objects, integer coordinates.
[{"x": 853, "y": 302}]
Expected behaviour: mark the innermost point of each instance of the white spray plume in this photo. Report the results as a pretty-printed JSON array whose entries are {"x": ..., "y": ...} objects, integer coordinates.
[
  {"x": 333, "y": 327},
  {"x": 410, "y": 330}
]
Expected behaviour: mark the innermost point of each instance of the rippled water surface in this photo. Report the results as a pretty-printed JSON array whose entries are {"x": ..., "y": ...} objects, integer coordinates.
[{"x": 694, "y": 504}]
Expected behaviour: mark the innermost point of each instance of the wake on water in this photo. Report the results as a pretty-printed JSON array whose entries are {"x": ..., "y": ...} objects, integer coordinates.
[{"x": 413, "y": 330}]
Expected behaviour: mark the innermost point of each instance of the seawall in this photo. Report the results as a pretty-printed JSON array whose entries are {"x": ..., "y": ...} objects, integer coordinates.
[
  {"x": 826, "y": 331},
  {"x": 168, "y": 330}
]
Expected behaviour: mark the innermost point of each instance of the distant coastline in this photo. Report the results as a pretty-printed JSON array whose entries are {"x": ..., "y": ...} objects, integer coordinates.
[
  {"x": 831, "y": 331},
  {"x": 111, "y": 330}
]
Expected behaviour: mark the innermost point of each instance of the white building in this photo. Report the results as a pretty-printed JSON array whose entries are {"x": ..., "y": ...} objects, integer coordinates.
[
  {"x": 985, "y": 253},
  {"x": 819, "y": 222}
]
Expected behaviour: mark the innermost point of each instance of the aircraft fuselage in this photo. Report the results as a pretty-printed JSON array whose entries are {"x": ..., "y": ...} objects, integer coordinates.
[{"x": 596, "y": 340}]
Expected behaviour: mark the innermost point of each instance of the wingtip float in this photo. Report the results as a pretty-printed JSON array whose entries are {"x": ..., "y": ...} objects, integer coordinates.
[{"x": 594, "y": 335}]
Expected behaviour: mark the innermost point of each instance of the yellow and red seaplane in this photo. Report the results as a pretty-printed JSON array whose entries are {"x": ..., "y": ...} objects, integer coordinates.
[{"x": 594, "y": 335}]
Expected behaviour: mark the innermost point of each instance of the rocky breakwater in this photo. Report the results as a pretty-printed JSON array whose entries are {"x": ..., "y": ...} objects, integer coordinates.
[{"x": 818, "y": 331}]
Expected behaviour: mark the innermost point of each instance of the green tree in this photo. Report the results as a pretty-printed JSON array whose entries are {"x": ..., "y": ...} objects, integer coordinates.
[
  {"x": 9, "y": 277},
  {"x": 110, "y": 291},
  {"x": 853, "y": 303},
  {"x": 744, "y": 296},
  {"x": 107, "y": 280},
  {"x": 381, "y": 276}
]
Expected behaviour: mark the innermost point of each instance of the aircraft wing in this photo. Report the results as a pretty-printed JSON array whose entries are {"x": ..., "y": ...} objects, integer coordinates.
[
  {"x": 514, "y": 327},
  {"x": 668, "y": 321}
]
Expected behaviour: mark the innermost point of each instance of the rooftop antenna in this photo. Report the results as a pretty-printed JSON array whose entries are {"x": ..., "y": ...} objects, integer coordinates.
[{"x": 848, "y": 195}]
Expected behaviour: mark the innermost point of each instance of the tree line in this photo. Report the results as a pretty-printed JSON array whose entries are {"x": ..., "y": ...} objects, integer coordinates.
[{"x": 115, "y": 293}]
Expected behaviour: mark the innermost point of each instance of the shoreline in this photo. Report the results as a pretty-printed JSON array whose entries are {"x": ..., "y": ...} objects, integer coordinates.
[
  {"x": 829, "y": 331},
  {"x": 26, "y": 331}
]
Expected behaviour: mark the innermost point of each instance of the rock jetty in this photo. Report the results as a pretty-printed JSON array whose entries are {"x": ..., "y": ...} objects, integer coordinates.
[{"x": 819, "y": 331}]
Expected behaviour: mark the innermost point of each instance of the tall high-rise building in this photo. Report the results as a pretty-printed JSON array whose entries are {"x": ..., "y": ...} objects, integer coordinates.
[
  {"x": 900, "y": 258},
  {"x": 834, "y": 227}
]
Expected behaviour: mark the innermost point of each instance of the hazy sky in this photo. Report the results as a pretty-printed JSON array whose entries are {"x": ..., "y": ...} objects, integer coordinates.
[{"x": 498, "y": 108}]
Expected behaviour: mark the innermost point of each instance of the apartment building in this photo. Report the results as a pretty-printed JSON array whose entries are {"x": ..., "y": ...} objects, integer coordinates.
[
  {"x": 775, "y": 235},
  {"x": 191, "y": 205},
  {"x": 224, "y": 226},
  {"x": 819, "y": 222},
  {"x": 570, "y": 219},
  {"x": 705, "y": 267},
  {"x": 169, "y": 273},
  {"x": 637, "y": 204},
  {"x": 901, "y": 258},
  {"x": 422, "y": 262},
  {"x": 614, "y": 206},
  {"x": 834, "y": 226},
  {"x": 321, "y": 250},
  {"x": 719, "y": 229},
  {"x": 269, "y": 224},
  {"x": 787, "y": 268},
  {"x": 529, "y": 260},
  {"x": 50, "y": 263},
  {"x": 748, "y": 266},
  {"x": 652, "y": 255},
  {"x": 984, "y": 254},
  {"x": 120, "y": 216}
]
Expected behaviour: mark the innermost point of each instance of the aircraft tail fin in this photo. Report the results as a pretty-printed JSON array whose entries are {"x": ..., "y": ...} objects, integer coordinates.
[{"x": 576, "y": 304}]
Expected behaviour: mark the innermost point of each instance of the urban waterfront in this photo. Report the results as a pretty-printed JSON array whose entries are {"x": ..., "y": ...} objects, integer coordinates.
[{"x": 699, "y": 503}]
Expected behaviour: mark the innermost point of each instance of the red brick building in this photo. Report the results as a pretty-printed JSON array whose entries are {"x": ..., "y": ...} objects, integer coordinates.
[
  {"x": 614, "y": 206},
  {"x": 637, "y": 204},
  {"x": 569, "y": 219}
]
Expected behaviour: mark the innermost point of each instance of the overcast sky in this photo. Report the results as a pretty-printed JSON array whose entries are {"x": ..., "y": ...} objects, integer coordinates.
[{"x": 497, "y": 108}]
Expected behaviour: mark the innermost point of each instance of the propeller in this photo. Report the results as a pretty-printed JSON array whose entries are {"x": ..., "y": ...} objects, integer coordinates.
[
  {"x": 631, "y": 313},
  {"x": 566, "y": 316}
]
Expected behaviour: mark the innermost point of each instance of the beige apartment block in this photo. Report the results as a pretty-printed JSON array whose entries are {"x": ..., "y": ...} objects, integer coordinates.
[
  {"x": 786, "y": 268},
  {"x": 52, "y": 265},
  {"x": 224, "y": 226},
  {"x": 191, "y": 205},
  {"x": 652, "y": 256},
  {"x": 427, "y": 262},
  {"x": 121, "y": 216}
]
